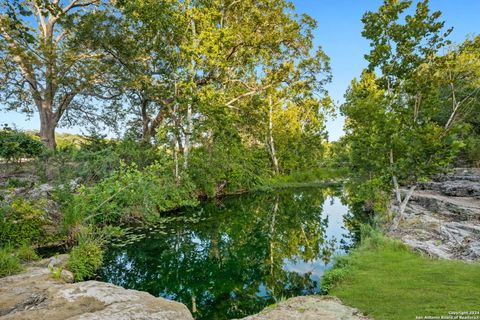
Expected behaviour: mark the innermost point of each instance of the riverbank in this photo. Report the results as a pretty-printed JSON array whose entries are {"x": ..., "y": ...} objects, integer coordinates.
[
  {"x": 38, "y": 294},
  {"x": 383, "y": 278},
  {"x": 442, "y": 218},
  {"x": 428, "y": 265},
  {"x": 387, "y": 280}
]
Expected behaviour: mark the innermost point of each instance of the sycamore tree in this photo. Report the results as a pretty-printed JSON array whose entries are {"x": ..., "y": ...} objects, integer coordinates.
[
  {"x": 273, "y": 93},
  {"x": 456, "y": 76},
  {"x": 291, "y": 112},
  {"x": 42, "y": 68},
  {"x": 394, "y": 131},
  {"x": 195, "y": 71}
]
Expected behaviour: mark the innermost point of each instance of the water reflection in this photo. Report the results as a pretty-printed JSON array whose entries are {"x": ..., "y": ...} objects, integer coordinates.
[{"x": 243, "y": 252}]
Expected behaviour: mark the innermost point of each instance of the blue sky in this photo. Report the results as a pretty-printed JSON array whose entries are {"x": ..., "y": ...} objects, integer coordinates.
[{"x": 339, "y": 34}]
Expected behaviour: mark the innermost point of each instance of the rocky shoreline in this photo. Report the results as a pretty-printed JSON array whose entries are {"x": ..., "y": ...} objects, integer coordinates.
[{"x": 442, "y": 218}]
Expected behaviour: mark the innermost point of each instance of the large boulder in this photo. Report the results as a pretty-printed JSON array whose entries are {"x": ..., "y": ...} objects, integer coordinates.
[
  {"x": 309, "y": 308},
  {"x": 35, "y": 294}
]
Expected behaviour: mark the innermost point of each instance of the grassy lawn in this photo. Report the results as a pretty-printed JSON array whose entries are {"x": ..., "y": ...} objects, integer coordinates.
[{"x": 386, "y": 280}]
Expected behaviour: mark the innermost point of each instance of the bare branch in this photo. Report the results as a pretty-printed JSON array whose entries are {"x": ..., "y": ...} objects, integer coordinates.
[
  {"x": 246, "y": 94},
  {"x": 40, "y": 18},
  {"x": 76, "y": 4},
  {"x": 60, "y": 36}
]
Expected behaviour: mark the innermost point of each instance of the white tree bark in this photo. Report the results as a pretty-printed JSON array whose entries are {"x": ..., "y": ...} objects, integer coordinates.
[
  {"x": 401, "y": 209},
  {"x": 395, "y": 181},
  {"x": 189, "y": 122},
  {"x": 271, "y": 142}
]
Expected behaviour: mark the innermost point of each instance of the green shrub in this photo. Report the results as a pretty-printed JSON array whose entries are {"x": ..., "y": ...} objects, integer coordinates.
[
  {"x": 9, "y": 262},
  {"x": 26, "y": 253},
  {"x": 74, "y": 162},
  {"x": 85, "y": 259},
  {"x": 129, "y": 195},
  {"x": 473, "y": 151},
  {"x": 93, "y": 159},
  {"x": 14, "y": 182},
  {"x": 368, "y": 195},
  {"x": 22, "y": 221},
  {"x": 15, "y": 145},
  {"x": 56, "y": 272},
  {"x": 227, "y": 168},
  {"x": 331, "y": 277}
]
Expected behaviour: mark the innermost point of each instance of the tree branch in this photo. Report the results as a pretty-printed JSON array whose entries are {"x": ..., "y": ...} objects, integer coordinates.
[
  {"x": 76, "y": 4},
  {"x": 246, "y": 94}
]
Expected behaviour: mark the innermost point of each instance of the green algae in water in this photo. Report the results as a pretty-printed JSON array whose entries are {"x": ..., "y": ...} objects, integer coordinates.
[{"x": 232, "y": 257}]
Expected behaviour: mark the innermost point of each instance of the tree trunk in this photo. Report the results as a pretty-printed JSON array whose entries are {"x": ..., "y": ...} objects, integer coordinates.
[
  {"x": 395, "y": 181},
  {"x": 188, "y": 132},
  {"x": 175, "y": 159},
  {"x": 48, "y": 124},
  {"x": 402, "y": 207},
  {"x": 271, "y": 142},
  {"x": 189, "y": 124},
  {"x": 145, "y": 120}
]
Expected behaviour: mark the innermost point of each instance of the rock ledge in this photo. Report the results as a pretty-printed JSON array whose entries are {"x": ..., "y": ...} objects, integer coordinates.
[
  {"x": 442, "y": 218},
  {"x": 35, "y": 294}
]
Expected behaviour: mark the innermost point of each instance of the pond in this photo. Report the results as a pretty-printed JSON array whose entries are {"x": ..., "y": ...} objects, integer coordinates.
[{"x": 232, "y": 257}]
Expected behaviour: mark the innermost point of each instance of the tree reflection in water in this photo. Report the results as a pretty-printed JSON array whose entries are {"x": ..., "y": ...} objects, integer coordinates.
[{"x": 245, "y": 252}]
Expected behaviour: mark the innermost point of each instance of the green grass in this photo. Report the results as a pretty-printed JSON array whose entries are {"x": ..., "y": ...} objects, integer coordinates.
[
  {"x": 26, "y": 253},
  {"x": 9, "y": 262},
  {"x": 386, "y": 280},
  {"x": 85, "y": 259}
]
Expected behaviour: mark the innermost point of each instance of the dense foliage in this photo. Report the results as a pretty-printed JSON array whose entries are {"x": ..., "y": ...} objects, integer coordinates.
[
  {"x": 9, "y": 262},
  {"x": 85, "y": 259},
  {"x": 15, "y": 145},
  {"x": 414, "y": 109},
  {"x": 129, "y": 195},
  {"x": 22, "y": 221}
]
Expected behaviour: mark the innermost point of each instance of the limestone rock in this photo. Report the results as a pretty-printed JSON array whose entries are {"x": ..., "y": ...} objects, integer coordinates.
[
  {"x": 442, "y": 218},
  {"x": 35, "y": 295},
  {"x": 67, "y": 276},
  {"x": 309, "y": 308},
  {"x": 57, "y": 261}
]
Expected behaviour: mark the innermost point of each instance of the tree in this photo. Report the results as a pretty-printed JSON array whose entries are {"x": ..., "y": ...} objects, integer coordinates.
[
  {"x": 140, "y": 62},
  {"x": 457, "y": 77},
  {"x": 196, "y": 71},
  {"x": 42, "y": 67},
  {"x": 392, "y": 119}
]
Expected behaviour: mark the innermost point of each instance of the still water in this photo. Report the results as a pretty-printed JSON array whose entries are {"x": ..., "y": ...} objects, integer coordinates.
[{"x": 230, "y": 258}]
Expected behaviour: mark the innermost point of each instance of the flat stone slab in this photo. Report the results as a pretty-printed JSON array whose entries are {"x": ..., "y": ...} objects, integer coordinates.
[
  {"x": 35, "y": 295},
  {"x": 309, "y": 308}
]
